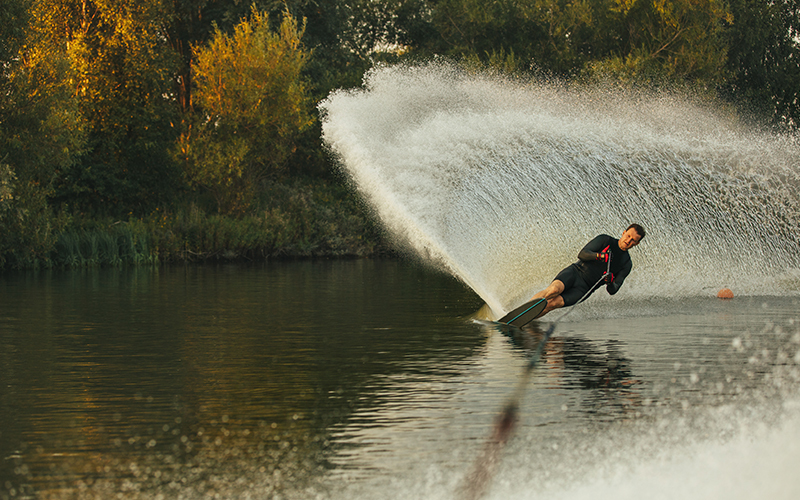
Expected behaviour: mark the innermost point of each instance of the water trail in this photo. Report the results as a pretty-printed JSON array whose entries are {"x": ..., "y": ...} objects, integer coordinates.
[{"x": 501, "y": 183}]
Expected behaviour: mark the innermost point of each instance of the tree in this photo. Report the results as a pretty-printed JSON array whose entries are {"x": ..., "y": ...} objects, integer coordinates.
[
  {"x": 764, "y": 60},
  {"x": 41, "y": 131},
  {"x": 473, "y": 28},
  {"x": 13, "y": 20},
  {"x": 251, "y": 105},
  {"x": 191, "y": 23},
  {"x": 637, "y": 39},
  {"x": 121, "y": 75},
  {"x": 667, "y": 39}
]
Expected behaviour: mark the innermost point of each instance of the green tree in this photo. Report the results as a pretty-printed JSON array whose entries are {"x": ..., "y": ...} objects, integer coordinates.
[
  {"x": 41, "y": 131},
  {"x": 632, "y": 39},
  {"x": 666, "y": 39},
  {"x": 121, "y": 75},
  {"x": 341, "y": 38},
  {"x": 342, "y": 35},
  {"x": 13, "y": 20},
  {"x": 472, "y": 28},
  {"x": 251, "y": 104},
  {"x": 764, "y": 60},
  {"x": 191, "y": 23}
]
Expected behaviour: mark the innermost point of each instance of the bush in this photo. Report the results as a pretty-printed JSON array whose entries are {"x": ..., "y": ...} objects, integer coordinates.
[
  {"x": 251, "y": 105},
  {"x": 27, "y": 224}
]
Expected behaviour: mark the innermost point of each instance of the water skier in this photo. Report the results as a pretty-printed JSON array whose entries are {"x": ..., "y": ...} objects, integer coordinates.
[{"x": 592, "y": 269}]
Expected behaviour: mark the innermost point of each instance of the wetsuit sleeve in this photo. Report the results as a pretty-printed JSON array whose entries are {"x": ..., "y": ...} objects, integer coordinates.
[
  {"x": 619, "y": 278},
  {"x": 590, "y": 251}
]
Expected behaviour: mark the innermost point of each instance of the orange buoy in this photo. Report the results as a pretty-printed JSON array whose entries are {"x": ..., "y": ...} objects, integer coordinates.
[{"x": 725, "y": 293}]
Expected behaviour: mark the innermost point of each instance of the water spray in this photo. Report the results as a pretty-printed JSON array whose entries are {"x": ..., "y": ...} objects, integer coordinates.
[{"x": 491, "y": 180}]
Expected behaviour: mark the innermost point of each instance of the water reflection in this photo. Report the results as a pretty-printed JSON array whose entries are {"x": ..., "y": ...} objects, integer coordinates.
[
  {"x": 179, "y": 379},
  {"x": 595, "y": 377}
]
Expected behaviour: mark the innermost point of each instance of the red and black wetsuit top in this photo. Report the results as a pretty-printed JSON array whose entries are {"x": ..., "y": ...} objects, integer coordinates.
[{"x": 591, "y": 269}]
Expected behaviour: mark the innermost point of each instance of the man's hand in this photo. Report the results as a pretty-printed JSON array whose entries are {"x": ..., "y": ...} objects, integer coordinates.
[
  {"x": 609, "y": 277},
  {"x": 602, "y": 256}
]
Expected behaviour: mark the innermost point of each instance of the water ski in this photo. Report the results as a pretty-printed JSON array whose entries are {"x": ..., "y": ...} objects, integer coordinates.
[{"x": 525, "y": 313}]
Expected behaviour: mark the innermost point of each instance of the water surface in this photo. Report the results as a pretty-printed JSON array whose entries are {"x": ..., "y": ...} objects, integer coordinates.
[{"x": 367, "y": 379}]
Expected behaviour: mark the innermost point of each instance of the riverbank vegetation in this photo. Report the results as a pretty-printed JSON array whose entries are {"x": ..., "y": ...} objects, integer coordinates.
[{"x": 144, "y": 131}]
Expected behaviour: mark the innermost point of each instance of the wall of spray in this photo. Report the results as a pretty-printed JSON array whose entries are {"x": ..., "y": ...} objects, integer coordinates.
[{"x": 501, "y": 183}]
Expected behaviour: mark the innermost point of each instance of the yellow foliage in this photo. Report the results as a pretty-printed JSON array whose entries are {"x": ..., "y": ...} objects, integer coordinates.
[
  {"x": 251, "y": 103},
  {"x": 623, "y": 6},
  {"x": 254, "y": 74}
]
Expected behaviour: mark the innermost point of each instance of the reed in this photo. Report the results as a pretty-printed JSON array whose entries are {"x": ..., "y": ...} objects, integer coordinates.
[{"x": 118, "y": 244}]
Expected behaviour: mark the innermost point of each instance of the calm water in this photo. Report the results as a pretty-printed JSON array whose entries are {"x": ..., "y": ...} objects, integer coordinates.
[{"x": 367, "y": 379}]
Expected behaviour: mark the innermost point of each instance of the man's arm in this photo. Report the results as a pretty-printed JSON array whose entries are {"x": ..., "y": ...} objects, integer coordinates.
[
  {"x": 592, "y": 251},
  {"x": 614, "y": 286}
]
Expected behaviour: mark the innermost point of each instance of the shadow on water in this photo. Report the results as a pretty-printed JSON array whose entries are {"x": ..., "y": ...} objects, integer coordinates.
[
  {"x": 620, "y": 397},
  {"x": 609, "y": 397}
]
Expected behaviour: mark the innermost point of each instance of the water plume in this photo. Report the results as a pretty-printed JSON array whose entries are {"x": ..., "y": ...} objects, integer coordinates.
[{"x": 501, "y": 182}]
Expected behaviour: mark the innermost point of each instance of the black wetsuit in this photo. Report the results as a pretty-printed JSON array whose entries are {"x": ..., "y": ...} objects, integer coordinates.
[{"x": 579, "y": 277}]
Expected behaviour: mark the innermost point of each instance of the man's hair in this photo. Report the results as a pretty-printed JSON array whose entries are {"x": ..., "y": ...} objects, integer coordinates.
[{"x": 639, "y": 229}]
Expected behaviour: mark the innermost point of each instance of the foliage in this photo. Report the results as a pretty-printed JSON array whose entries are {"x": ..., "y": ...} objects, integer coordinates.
[
  {"x": 764, "y": 59},
  {"x": 251, "y": 104},
  {"x": 118, "y": 244},
  {"x": 629, "y": 39},
  {"x": 40, "y": 132},
  {"x": 26, "y": 223},
  {"x": 339, "y": 40},
  {"x": 343, "y": 36},
  {"x": 471, "y": 28},
  {"x": 304, "y": 219},
  {"x": 115, "y": 108},
  {"x": 13, "y": 21},
  {"x": 120, "y": 75},
  {"x": 43, "y": 129},
  {"x": 544, "y": 35},
  {"x": 191, "y": 23},
  {"x": 667, "y": 40}
]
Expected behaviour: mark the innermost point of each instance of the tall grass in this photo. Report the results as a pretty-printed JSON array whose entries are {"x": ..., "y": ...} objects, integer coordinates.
[{"x": 118, "y": 244}]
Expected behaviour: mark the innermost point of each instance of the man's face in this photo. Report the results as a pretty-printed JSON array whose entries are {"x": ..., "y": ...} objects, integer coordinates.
[{"x": 629, "y": 239}]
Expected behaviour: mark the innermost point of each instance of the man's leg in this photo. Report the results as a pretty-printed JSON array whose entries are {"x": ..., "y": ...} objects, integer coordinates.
[{"x": 553, "y": 295}]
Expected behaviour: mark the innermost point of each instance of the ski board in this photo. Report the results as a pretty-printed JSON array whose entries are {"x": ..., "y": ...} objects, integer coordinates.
[{"x": 525, "y": 313}]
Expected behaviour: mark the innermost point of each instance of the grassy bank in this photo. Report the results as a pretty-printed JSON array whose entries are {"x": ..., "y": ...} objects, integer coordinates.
[{"x": 303, "y": 220}]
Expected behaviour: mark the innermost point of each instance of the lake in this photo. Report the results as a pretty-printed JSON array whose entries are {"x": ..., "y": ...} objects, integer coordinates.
[{"x": 368, "y": 379}]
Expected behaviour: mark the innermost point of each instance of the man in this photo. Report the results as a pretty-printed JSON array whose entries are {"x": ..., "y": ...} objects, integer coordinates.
[{"x": 582, "y": 278}]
